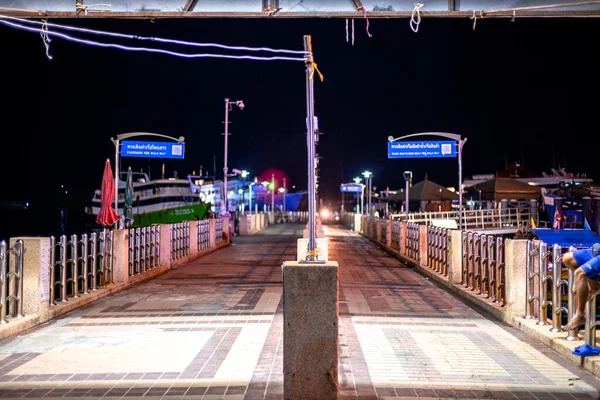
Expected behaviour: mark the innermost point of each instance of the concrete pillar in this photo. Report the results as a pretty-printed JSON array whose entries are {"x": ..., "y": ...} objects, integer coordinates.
[
  {"x": 423, "y": 245},
  {"x": 165, "y": 245},
  {"x": 212, "y": 233},
  {"x": 587, "y": 210},
  {"x": 310, "y": 330},
  {"x": 403, "y": 238},
  {"x": 120, "y": 264},
  {"x": 36, "y": 275},
  {"x": 244, "y": 225},
  {"x": 193, "y": 238},
  {"x": 357, "y": 222},
  {"x": 388, "y": 234},
  {"x": 455, "y": 257},
  {"x": 515, "y": 252},
  {"x": 226, "y": 230},
  {"x": 378, "y": 223}
]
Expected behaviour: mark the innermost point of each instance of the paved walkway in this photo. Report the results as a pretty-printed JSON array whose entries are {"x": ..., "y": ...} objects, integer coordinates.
[{"x": 213, "y": 330}]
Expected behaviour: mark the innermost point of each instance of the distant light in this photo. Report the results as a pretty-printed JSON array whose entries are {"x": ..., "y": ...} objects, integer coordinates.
[
  {"x": 281, "y": 190},
  {"x": 27, "y": 204},
  {"x": 531, "y": 183},
  {"x": 294, "y": 187},
  {"x": 240, "y": 191},
  {"x": 325, "y": 213},
  {"x": 66, "y": 192}
]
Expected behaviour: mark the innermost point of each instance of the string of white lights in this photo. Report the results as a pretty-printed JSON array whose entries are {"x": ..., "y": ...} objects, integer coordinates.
[
  {"x": 145, "y": 49},
  {"x": 151, "y": 39}
]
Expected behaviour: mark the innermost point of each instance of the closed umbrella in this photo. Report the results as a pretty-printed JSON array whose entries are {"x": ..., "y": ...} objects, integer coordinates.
[
  {"x": 128, "y": 208},
  {"x": 107, "y": 215}
]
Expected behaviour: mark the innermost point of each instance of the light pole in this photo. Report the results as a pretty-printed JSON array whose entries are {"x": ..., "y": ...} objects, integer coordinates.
[
  {"x": 284, "y": 193},
  {"x": 117, "y": 141},
  {"x": 460, "y": 142},
  {"x": 408, "y": 179},
  {"x": 266, "y": 186},
  {"x": 359, "y": 207},
  {"x": 250, "y": 195},
  {"x": 369, "y": 177},
  {"x": 228, "y": 108},
  {"x": 272, "y": 193},
  {"x": 244, "y": 175}
]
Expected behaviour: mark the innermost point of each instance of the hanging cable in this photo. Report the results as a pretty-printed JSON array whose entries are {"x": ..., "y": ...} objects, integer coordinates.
[
  {"x": 153, "y": 39},
  {"x": 149, "y": 50},
  {"x": 45, "y": 39},
  {"x": 415, "y": 18},
  {"x": 364, "y": 10}
]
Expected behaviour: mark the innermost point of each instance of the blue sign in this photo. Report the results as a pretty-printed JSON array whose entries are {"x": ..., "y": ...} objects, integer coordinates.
[
  {"x": 433, "y": 149},
  {"x": 350, "y": 188},
  {"x": 131, "y": 148}
]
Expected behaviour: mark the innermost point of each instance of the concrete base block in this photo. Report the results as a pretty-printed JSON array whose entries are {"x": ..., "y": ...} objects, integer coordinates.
[
  {"x": 322, "y": 249},
  {"x": 310, "y": 330}
]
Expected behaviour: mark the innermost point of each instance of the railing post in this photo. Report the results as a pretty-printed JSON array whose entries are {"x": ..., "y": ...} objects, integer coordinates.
[
  {"x": 543, "y": 302},
  {"x": 3, "y": 269},
  {"x": 590, "y": 321},
  {"x": 557, "y": 283},
  {"x": 84, "y": 263},
  {"x": 120, "y": 256},
  {"x": 164, "y": 245}
]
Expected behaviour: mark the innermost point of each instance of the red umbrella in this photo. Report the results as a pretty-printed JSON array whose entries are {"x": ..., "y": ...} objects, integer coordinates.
[{"x": 107, "y": 215}]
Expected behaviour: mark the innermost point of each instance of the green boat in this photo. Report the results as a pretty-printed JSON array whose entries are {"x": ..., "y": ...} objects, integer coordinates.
[{"x": 172, "y": 215}]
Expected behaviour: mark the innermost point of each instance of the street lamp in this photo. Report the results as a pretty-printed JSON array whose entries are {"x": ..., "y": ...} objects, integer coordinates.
[
  {"x": 228, "y": 108},
  {"x": 250, "y": 194},
  {"x": 272, "y": 193},
  {"x": 244, "y": 175},
  {"x": 362, "y": 196},
  {"x": 369, "y": 177},
  {"x": 408, "y": 180},
  {"x": 116, "y": 142}
]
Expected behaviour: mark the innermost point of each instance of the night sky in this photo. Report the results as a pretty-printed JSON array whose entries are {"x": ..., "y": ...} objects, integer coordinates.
[{"x": 516, "y": 90}]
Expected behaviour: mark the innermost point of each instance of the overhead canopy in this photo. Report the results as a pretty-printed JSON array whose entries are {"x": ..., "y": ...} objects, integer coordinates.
[
  {"x": 497, "y": 189},
  {"x": 296, "y": 9},
  {"x": 567, "y": 237},
  {"x": 425, "y": 190}
]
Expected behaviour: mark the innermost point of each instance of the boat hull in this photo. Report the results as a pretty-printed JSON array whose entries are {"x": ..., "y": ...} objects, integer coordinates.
[{"x": 172, "y": 215}]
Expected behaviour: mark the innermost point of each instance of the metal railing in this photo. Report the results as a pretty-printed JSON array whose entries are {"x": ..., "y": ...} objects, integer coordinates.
[
  {"x": 478, "y": 219},
  {"x": 180, "y": 240},
  {"x": 11, "y": 281},
  {"x": 204, "y": 234},
  {"x": 483, "y": 265},
  {"x": 219, "y": 230},
  {"x": 412, "y": 241},
  {"x": 80, "y": 264},
  {"x": 546, "y": 265},
  {"x": 144, "y": 249},
  {"x": 437, "y": 249},
  {"x": 396, "y": 235}
]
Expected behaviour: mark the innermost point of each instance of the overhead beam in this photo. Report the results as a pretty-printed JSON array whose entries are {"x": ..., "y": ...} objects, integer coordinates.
[
  {"x": 190, "y": 5},
  {"x": 294, "y": 15},
  {"x": 358, "y": 5}
]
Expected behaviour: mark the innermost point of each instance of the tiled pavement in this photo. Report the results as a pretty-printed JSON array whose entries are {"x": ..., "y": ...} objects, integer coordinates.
[{"x": 212, "y": 329}]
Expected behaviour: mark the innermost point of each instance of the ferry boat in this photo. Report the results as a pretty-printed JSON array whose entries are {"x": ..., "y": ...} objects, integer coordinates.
[{"x": 169, "y": 200}]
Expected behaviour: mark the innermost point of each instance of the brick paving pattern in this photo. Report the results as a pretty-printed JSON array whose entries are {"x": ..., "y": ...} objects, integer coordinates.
[{"x": 212, "y": 329}]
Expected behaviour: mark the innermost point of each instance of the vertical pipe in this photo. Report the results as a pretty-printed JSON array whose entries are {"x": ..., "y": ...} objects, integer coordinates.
[
  {"x": 590, "y": 321},
  {"x": 500, "y": 279},
  {"x": 528, "y": 280},
  {"x": 460, "y": 189},
  {"x": 52, "y": 270},
  {"x": 557, "y": 283},
  {"x": 74, "y": 265},
  {"x": 63, "y": 268},
  {"x": 84, "y": 262},
  {"x": 224, "y": 198},
  {"x": 543, "y": 295},
  {"x": 93, "y": 264},
  {"x": 116, "y": 141},
  {"x": 310, "y": 139},
  {"x": 18, "y": 251},
  {"x": 3, "y": 266},
  {"x": 406, "y": 200}
]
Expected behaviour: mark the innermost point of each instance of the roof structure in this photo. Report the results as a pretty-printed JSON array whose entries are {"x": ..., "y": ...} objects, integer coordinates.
[
  {"x": 425, "y": 190},
  {"x": 297, "y": 8},
  {"x": 505, "y": 188}
]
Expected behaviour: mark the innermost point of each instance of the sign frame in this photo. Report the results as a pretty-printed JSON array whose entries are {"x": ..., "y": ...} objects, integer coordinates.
[
  {"x": 152, "y": 149},
  {"x": 423, "y": 149}
]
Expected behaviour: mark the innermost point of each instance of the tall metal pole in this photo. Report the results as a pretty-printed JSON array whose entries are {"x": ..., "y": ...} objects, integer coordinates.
[
  {"x": 117, "y": 179},
  {"x": 362, "y": 200},
  {"x": 310, "y": 143},
  {"x": 284, "y": 193},
  {"x": 225, "y": 199},
  {"x": 369, "y": 208},
  {"x": 406, "y": 201},
  {"x": 460, "y": 188},
  {"x": 273, "y": 193},
  {"x": 250, "y": 197}
]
